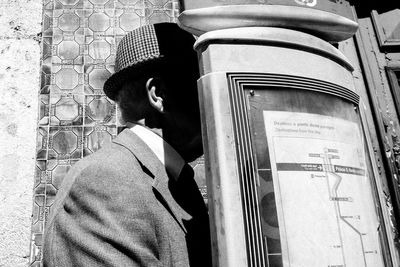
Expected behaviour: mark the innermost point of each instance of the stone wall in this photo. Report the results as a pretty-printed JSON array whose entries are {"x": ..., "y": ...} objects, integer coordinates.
[{"x": 20, "y": 25}]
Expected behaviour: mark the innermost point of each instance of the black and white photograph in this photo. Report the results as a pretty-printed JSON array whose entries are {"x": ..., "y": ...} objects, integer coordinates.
[{"x": 199, "y": 133}]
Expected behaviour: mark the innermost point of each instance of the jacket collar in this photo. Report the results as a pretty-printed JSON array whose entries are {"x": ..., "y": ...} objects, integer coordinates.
[
  {"x": 149, "y": 160},
  {"x": 168, "y": 156}
]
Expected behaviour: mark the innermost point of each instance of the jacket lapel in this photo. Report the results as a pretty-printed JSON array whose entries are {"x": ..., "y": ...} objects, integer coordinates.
[{"x": 160, "y": 178}]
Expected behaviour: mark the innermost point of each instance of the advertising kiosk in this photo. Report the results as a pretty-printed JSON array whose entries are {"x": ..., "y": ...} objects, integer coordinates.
[{"x": 290, "y": 182}]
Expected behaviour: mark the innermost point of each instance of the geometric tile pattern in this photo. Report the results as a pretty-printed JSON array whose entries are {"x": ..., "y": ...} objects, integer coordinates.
[{"x": 79, "y": 40}]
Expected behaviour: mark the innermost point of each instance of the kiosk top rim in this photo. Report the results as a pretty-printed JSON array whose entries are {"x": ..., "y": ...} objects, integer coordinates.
[
  {"x": 328, "y": 26},
  {"x": 274, "y": 37}
]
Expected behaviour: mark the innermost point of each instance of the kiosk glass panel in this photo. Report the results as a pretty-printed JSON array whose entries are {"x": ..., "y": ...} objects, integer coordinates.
[{"x": 317, "y": 196}]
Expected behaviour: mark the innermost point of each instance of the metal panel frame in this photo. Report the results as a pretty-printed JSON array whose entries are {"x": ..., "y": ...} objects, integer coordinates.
[
  {"x": 375, "y": 86},
  {"x": 384, "y": 42},
  {"x": 394, "y": 86}
]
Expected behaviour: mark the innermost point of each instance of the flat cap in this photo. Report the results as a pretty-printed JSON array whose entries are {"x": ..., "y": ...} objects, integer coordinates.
[{"x": 162, "y": 46}]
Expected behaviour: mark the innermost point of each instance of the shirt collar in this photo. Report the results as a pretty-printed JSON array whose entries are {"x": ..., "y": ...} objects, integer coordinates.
[{"x": 168, "y": 156}]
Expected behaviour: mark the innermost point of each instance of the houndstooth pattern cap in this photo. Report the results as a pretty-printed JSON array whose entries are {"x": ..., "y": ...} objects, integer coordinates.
[
  {"x": 144, "y": 47},
  {"x": 145, "y": 44}
]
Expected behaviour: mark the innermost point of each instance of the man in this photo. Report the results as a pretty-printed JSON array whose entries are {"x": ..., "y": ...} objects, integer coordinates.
[{"x": 134, "y": 202}]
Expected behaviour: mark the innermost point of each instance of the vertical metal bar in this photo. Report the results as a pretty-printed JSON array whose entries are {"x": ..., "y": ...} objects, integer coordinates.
[{"x": 240, "y": 171}]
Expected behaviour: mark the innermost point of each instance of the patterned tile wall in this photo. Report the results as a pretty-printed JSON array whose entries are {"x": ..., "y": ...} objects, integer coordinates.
[{"x": 79, "y": 40}]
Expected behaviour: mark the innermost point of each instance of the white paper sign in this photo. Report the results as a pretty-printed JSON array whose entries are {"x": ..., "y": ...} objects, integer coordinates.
[{"x": 323, "y": 193}]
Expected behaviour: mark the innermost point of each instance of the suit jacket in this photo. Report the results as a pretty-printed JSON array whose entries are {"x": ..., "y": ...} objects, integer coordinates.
[{"x": 119, "y": 207}]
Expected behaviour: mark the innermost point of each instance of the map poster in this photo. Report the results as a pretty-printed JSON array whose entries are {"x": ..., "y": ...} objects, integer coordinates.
[{"x": 323, "y": 193}]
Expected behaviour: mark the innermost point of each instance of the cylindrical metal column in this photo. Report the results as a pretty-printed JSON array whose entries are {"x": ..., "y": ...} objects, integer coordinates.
[{"x": 289, "y": 180}]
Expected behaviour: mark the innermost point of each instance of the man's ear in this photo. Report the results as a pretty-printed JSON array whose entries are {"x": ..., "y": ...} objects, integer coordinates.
[{"x": 153, "y": 87}]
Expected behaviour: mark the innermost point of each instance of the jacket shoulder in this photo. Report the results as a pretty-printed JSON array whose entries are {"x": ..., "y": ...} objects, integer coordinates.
[
  {"x": 104, "y": 172},
  {"x": 110, "y": 156}
]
